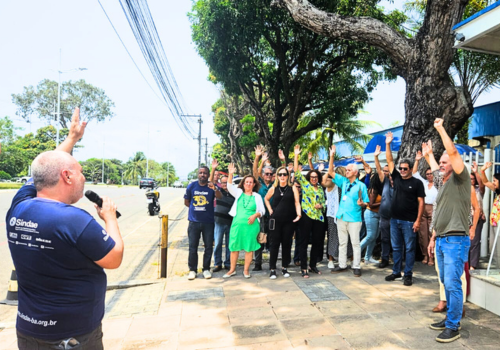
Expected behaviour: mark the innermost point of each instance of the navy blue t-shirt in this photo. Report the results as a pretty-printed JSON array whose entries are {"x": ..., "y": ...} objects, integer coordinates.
[
  {"x": 201, "y": 199},
  {"x": 54, "y": 246}
]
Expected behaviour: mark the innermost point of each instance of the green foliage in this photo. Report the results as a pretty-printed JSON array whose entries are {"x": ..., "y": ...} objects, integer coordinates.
[
  {"x": 221, "y": 153},
  {"x": 135, "y": 168},
  {"x": 4, "y": 175},
  {"x": 463, "y": 135},
  {"x": 41, "y": 101},
  {"x": 193, "y": 175}
]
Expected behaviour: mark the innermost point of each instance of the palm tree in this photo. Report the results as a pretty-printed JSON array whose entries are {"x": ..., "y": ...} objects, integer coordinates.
[{"x": 134, "y": 168}]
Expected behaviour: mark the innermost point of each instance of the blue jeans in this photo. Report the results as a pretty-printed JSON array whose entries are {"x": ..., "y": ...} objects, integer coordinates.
[
  {"x": 452, "y": 253},
  {"x": 220, "y": 232},
  {"x": 195, "y": 231},
  {"x": 371, "y": 220},
  {"x": 402, "y": 236}
]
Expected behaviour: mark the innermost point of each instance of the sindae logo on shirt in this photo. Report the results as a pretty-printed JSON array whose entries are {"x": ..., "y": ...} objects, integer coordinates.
[
  {"x": 12, "y": 221},
  {"x": 105, "y": 234}
]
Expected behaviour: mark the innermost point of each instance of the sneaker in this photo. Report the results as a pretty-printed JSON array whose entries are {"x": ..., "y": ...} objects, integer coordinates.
[
  {"x": 393, "y": 277},
  {"x": 371, "y": 261},
  {"x": 217, "y": 268},
  {"x": 272, "y": 275},
  {"x": 192, "y": 275},
  {"x": 383, "y": 264},
  {"x": 338, "y": 269},
  {"x": 357, "y": 272},
  {"x": 407, "y": 280},
  {"x": 448, "y": 335},
  {"x": 207, "y": 274},
  {"x": 331, "y": 264},
  {"x": 257, "y": 268},
  {"x": 285, "y": 273},
  {"x": 441, "y": 326}
]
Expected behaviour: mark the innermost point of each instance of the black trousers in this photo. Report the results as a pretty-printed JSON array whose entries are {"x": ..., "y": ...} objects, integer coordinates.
[
  {"x": 281, "y": 235},
  {"x": 385, "y": 235},
  {"x": 317, "y": 230},
  {"x": 89, "y": 341}
]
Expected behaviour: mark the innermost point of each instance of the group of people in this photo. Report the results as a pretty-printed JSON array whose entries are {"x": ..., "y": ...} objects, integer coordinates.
[{"x": 441, "y": 212}]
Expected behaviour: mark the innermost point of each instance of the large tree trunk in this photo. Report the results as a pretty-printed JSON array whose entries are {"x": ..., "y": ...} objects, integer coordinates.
[{"x": 423, "y": 62}]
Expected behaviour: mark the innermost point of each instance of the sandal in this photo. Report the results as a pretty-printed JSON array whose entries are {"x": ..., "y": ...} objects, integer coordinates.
[
  {"x": 297, "y": 263},
  {"x": 315, "y": 270},
  {"x": 305, "y": 274}
]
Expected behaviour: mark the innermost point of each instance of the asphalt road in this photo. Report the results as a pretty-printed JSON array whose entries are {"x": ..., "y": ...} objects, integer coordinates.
[{"x": 139, "y": 230}]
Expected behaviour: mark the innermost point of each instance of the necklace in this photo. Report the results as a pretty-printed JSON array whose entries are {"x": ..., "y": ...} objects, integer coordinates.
[
  {"x": 246, "y": 200},
  {"x": 283, "y": 192}
]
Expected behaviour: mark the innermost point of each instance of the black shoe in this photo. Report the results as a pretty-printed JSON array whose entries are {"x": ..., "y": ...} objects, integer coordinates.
[
  {"x": 217, "y": 269},
  {"x": 357, "y": 272},
  {"x": 383, "y": 264},
  {"x": 448, "y": 335},
  {"x": 407, "y": 280},
  {"x": 257, "y": 268},
  {"x": 393, "y": 277},
  {"x": 314, "y": 269},
  {"x": 227, "y": 268},
  {"x": 272, "y": 275},
  {"x": 441, "y": 326},
  {"x": 338, "y": 269},
  {"x": 285, "y": 273}
]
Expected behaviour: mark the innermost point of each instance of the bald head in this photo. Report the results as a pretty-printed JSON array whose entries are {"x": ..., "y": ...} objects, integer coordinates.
[{"x": 48, "y": 166}]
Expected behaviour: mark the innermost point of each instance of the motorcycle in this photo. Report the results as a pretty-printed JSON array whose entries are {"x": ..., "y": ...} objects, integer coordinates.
[{"x": 153, "y": 200}]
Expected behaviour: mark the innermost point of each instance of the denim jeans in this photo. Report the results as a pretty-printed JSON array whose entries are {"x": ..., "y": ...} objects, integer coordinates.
[
  {"x": 221, "y": 231},
  {"x": 402, "y": 236},
  {"x": 195, "y": 230},
  {"x": 89, "y": 341},
  {"x": 385, "y": 237},
  {"x": 452, "y": 253},
  {"x": 371, "y": 220}
]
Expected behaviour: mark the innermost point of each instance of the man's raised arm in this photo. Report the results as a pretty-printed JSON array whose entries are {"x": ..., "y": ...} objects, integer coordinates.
[
  {"x": 76, "y": 131},
  {"x": 388, "y": 151},
  {"x": 456, "y": 161}
]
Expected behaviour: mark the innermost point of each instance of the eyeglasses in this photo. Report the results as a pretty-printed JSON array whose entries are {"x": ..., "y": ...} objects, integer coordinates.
[
  {"x": 223, "y": 183},
  {"x": 428, "y": 174},
  {"x": 268, "y": 174},
  {"x": 403, "y": 168},
  {"x": 282, "y": 174},
  {"x": 313, "y": 177}
]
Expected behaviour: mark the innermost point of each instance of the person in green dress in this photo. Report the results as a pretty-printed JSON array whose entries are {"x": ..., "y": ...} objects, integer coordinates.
[{"x": 248, "y": 207}]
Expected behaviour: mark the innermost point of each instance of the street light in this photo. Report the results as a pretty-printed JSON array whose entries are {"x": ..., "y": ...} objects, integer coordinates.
[{"x": 59, "y": 94}]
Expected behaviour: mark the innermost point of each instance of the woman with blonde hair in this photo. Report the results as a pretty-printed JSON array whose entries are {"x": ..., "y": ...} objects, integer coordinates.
[
  {"x": 284, "y": 212},
  {"x": 247, "y": 209}
]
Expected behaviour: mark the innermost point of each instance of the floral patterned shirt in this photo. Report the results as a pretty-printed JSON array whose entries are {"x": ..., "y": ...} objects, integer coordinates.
[{"x": 311, "y": 197}]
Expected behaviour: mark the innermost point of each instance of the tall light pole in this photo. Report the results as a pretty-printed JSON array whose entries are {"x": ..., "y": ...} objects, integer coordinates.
[
  {"x": 59, "y": 94},
  {"x": 199, "y": 134}
]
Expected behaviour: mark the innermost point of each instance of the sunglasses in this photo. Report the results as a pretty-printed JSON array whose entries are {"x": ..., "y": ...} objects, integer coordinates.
[
  {"x": 403, "y": 168},
  {"x": 313, "y": 177},
  {"x": 268, "y": 174},
  {"x": 282, "y": 174}
]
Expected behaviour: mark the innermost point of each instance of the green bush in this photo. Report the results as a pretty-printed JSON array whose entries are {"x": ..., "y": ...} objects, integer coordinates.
[{"x": 4, "y": 175}]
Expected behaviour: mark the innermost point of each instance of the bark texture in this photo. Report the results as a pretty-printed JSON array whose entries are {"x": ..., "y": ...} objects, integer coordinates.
[{"x": 422, "y": 61}]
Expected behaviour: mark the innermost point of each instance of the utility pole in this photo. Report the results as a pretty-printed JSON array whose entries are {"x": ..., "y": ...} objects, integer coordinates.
[
  {"x": 206, "y": 150},
  {"x": 199, "y": 134}
]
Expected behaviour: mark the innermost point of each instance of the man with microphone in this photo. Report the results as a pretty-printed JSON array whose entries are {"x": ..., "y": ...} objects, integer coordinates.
[{"x": 59, "y": 252}]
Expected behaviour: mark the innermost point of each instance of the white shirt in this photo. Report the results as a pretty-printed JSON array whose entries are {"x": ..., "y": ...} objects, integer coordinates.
[
  {"x": 237, "y": 192},
  {"x": 430, "y": 194}
]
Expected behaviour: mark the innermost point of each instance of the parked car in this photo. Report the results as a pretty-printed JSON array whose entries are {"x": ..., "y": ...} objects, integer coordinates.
[
  {"x": 23, "y": 179},
  {"x": 147, "y": 182},
  {"x": 177, "y": 184}
]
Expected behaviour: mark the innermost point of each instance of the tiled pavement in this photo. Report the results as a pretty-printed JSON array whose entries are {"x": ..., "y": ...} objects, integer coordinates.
[{"x": 325, "y": 312}]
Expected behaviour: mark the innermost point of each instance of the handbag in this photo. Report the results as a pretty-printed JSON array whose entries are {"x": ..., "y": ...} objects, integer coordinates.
[{"x": 262, "y": 237}]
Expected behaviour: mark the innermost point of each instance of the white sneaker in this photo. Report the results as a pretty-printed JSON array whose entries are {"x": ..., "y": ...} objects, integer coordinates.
[
  {"x": 331, "y": 264},
  {"x": 192, "y": 275},
  {"x": 207, "y": 274},
  {"x": 372, "y": 261}
]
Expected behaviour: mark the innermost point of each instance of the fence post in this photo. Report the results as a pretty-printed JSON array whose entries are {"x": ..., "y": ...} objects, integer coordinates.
[{"x": 164, "y": 246}]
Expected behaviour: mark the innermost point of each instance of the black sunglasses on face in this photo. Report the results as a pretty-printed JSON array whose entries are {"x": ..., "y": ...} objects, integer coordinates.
[
  {"x": 268, "y": 174},
  {"x": 403, "y": 168},
  {"x": 282, "y": 174}
]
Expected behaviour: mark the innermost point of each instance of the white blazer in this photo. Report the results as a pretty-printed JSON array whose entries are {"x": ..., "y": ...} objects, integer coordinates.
[{"x": 237, "y": 192}]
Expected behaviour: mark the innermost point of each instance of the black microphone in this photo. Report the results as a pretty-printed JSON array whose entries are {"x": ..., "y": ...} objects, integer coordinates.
[{"x": 94, "y": 197}]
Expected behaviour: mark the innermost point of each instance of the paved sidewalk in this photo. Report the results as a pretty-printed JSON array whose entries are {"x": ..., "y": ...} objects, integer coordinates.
[{"x": 325, "y": 312}]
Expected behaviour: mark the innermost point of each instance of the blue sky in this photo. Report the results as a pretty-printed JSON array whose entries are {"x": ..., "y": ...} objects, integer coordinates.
[{"x": 33, "y": 31}]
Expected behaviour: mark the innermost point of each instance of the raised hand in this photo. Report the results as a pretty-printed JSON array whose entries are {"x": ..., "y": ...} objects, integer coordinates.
[
  {"x": 265, "y": 157},
  {"x": 378, "y": 151},
  {"x": 332, "y": 150},
  {"x": 474, "y": 167},
  {"x": 425, "y": 149},
  {"x": 486, "y": 166},
  {"x": 231, "y": 168},
  {"x": 281, "y": 155},
  {"x": 309, "y": 155},
  {"x": 418, "y": 156},
  {"x": 296, "y": 150},
  {"x": 76, "y": 129},
  {"x": 438, "y": 123},
  {"x": 215, "y": 163},
  {"x": 321, "y": 167},
  {"x": 258, "y": 150},
  {"x": 389, "y": 137},
  {"x": 358, "y": 159}
]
